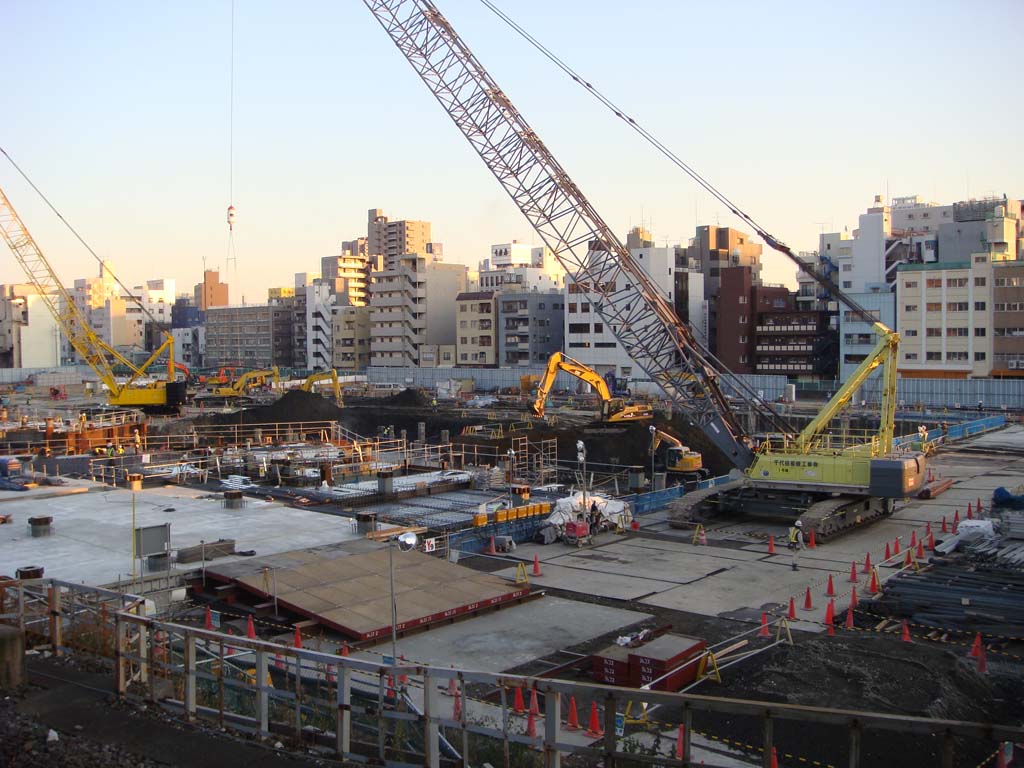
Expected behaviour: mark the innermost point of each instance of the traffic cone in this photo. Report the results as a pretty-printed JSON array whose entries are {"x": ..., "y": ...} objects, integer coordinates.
[
  {"x": 811, "y": 544},
  {"x": 1000, "y": 758},
  {"x": 867, "y": 563},
  {"x": 970, "y": 513},
  {"x": 920, "y": 550},
  {"x": 853, "y": 573},
  {"x": 763, "y": 632},
  {"x": 457, "y": 707},
  {"x": 888, "y": 552},
  {"x": 344, "y": 649},
  {"x": 391, "y": 688},
  {"x": 956, "y": 519},
  {"x": 808, "y": 605},
  {"x": 908, "y": 560},
  {"x": 830, "y": 616},
  {"x": 982, "y": 661},
  {"x": 208, "y": 620},
  {"x": 976, "y": 646},
  {"x": 771, "y": 551},
  {"x": 913, "y": 539},
  {"x": 531, "y": 725},
  {"x": 775, "y": 759},
  {"x": 573, "y": 723},
  {"x": 536, "y": 565},
  {"x": 491, "y": 550},
  {"x": 928, "y": 528},
  {"x": 680, "y": 742},
  {"x": 453, "y": 687},
  {"x": 956, "y": 526},
  {"x": 594, "y": 727},
  {"x": 830, "y": 591},
  {"x": 250, "y": 630},
  {"x": 931, "y": 541},
  {"x": 896, "y": 546},
  {"x": 703, "y": 540},
  {"x": 403, "y": 678},
  {"x": 298, "y": 638},
  {"x": 945, "y": 528},
  {"x": 517, "y": 703},
  {"x": 977, "y": 507},
  {"x": 792, "y": 609},
  {"x": 534, "y": 708},
  {"x": 854, "y": 602},
  {"x": 905, "y": 634},
  {"x": 873, "y": 588},
  {"x": 849, "y": 616}
]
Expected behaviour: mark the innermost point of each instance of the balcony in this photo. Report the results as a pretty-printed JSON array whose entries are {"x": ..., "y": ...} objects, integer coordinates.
[
  {"x": 788, "y": 328},
  {"x": 785, "y": 349}
]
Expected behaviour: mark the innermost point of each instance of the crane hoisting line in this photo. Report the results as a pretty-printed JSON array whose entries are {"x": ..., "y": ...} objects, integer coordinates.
[{"x": 773, "y": 242}]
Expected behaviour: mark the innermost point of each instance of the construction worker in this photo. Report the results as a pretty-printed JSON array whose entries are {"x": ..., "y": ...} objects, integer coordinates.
[
  {"x": 796, "y": 542},
  {"x": 138, "y": 440}
]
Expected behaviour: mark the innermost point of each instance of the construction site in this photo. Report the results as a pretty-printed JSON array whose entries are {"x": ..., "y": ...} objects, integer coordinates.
[{"x": 329, "y": 570}]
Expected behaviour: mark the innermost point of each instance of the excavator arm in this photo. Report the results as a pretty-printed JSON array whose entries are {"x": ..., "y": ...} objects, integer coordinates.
[
  {"x": 612, "y": 408},
  {"x": 332, "y": 376},
  {"x": 241, "y": 386}
]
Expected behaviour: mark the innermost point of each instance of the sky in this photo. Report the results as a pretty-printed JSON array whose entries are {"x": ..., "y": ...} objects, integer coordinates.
[{"x": 801, "y": 112}]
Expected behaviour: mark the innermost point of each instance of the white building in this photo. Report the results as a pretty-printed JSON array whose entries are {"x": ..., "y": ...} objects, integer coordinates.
[
  {"x": 29, "y": 335},
  {"x": 516, "y": 266}
]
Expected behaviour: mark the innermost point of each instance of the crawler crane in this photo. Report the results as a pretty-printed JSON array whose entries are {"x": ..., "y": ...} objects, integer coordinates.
[{"x": 832, "y": 485}]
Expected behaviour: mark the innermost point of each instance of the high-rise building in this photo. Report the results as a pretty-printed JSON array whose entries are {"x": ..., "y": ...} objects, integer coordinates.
[
  {"x": 351, "y": 338},
  {"x": 516, "y": 266},
  {"x": 394, "y": 239},
  {"x": 29, "y": 335},
  {"x": 257, "y": 336},
  {"x": 531, "y": 326},
  {"x": 211, "y": 292},
  {"x": 477, "y": 345}
]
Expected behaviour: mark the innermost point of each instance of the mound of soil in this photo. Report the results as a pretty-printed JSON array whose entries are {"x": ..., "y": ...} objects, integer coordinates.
[
  {"x": 294, "y": 405},
  {"x": 407, "y": 398}
]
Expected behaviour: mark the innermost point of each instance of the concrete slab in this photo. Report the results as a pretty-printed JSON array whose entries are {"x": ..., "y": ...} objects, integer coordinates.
[
  {"x": 593, "y": 582},
  {"x": 495, "y": 642},
  {"x": 92, "y": 543}
]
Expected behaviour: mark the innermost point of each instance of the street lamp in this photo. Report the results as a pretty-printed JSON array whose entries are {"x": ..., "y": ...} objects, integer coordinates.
[
  {"x": 654, "y": 434},
  {"x": 581, "y": 459},
  {"x": 406, "y": 541},
  {"x": 511, "y": 460}
]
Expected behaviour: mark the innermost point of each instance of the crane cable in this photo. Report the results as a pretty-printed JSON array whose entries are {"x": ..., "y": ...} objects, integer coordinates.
[{"x": 163, "y": 326}]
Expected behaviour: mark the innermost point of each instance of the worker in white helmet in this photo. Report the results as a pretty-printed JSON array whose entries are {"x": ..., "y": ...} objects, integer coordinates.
[{"x": 796, "y": 542}]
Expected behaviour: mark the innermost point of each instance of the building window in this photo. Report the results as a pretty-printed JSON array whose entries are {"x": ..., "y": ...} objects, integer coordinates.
[
  {"x": 743, "y": 299},
  {"x": 742, "y": 319},
  {"x": 979, "y": 357},
  {"x": 584, "y": 307},
  {"x": 847, "y": 267},
  {"x": 981, "y": 260},
  {"x": 933, "y": 282},
  {"x": 579, "y": 327},
  {"x": 847, "y": 284},
  {"x": 598, "y": 327},
  {"x": 910, "y": 332},
  {"x": 910, "y": 308},
  {"x": 957, "y": 306},
  {"x": 933, "y": 332},
  {"x": 540, "y": 305},
  {"x": 743, "y": 358},
  {"x": 743, "y": 339},
  {"x": 957, "y": 331},
  {"x": 933, "y": 306},
  {"x": 572, "y": 307},
  {"x": 979, "y": 306},
  {"x": 910, "y": 356},
  {"x": 933, "y": 356},
  {"x": 956, "y": 356},
  {"x": 910, "y": 284},
  {"x": 979, "y": 282},
  {"x": 956, "y": 282}
]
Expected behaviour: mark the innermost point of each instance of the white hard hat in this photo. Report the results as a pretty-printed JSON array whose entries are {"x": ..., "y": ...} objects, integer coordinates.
[{"x": 798, "y": 524}]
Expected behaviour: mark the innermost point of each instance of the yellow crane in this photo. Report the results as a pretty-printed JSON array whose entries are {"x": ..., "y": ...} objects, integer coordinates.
[
  {"x": 248, "y": 380},
  {"x": 309, "y": 385},
  {"x": 164, "y": 395},
  {"x": 613, "y": 409},
  {"x": 679, "y": 459}
]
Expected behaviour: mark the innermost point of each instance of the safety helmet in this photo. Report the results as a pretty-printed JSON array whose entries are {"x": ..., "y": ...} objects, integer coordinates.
[{"x": 798, "y": 524}]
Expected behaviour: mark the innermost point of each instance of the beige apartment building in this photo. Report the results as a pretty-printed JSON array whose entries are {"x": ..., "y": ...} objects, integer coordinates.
[
  {"x": 394, "y": 239},
  {"x": 477, "y": 322},
  {"x": 351, "y": 338}
]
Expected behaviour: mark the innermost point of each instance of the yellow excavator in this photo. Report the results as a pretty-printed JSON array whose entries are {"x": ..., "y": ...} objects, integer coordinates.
[
  {"x": 251, "y": 379},
  {"x": 309, "y": 385},
  {"x": 679, "y": 459},
  {"x": 614, "y": 410}
]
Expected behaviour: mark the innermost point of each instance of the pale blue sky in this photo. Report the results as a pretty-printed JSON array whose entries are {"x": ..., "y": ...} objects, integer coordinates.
[{"x": 800, "y": 111}]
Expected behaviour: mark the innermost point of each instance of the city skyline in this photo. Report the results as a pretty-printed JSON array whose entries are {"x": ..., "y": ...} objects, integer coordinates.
[{"x": 136, "y": 156}]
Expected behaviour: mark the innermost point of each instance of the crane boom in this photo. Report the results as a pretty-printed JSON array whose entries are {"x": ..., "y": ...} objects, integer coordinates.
[{"x": 626, "y": 298}]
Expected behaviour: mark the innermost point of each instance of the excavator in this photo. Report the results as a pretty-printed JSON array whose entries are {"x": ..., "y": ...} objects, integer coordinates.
[
  {"x": 679, "y": 459},
  {"x": 309, "y": 385},
  {"x": 831, "y": 480},
  {"x": 249, "y": 380},
  {"x": 613, "y": 409},
  {"x": 137, "y": 391}
]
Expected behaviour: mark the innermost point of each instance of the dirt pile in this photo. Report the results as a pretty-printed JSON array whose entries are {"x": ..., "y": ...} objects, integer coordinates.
[
  {"x": 407, "y": 398},
  {"x": 294, "y": 405}
]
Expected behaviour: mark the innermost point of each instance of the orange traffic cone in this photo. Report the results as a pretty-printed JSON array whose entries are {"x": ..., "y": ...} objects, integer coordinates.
[
  {"x": 928, "y": 528},
  {"x": 976, "y": 646},
  {"x": 982, "y": 661},
  {"x": 920, "y": 550},
  {"x": 491, "y": 550},
  {"x": 771, "y": 551},
  {"x": 250, "y": 630},
  {"x": 970, "y": 513},
  {"x": 573, "y": 723},
  {"x": 344, "y": 649},
  {"x": 956, "y": 526},
  {"x": 849, "y": 616},
  {"x": 908, "y": 560},
  {"x": 457, "y": 707},
  {"x": 403, "y": 678},
  {"x": 931, "y": 541},
  {"x": 853, "y": 573},
  {"x": 977, "y": 507},
  {"x": 517, "y": 703},
  {"x": 873, "y": 588},
  {"x": 808, "y": 605},
  {"x": 905, "y": 634},
  {"x": 867, "y": 562},
  {"x": 792, "y": 609},
  {"x": 208, "y": 619},
  {"x": 536, "y": 565},
  {"x": 896, "y": 546},
  {"x": 913, "y": 539},
  {"x": 830, "y": 591},
  {"x": 956, "y": 519},
  {"x": 390, "y": 692},
  {"x": 680, "y": 742},
  {"x": 811, "y": 544},
  {"x": 830, "y": 618},
  {"x": 853, "y": 599},
  {"x": 534, "y": 709},
  {"x": 531, "y": 725},
  {"x": 703, "y": 540},
  {"x": 888, "y": 552},
  {"x": 945, "y": 528},
  {"x": 775, "y": 759},
  {"x": 594, "y": 727},
  {"x": 763, "y": 632},
  {"x": 298, "y": 638}
]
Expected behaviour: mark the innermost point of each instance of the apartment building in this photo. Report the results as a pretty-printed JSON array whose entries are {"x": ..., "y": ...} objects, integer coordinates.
[
  {"x": 799, "y": 343},
  {"x": 251, "y": 336},
  {"x": 531, "y": 326},
  {"x": 477, "y": 331},
  {"x": 516, "y": 266},
  {"x": 350, "y": 338},
  {"x": 190, "y": 346},
  {"x": 393, "y": 239},
  {"x": 29, "y": 335},
  {"x": 211, "y": 292},
  {"x": 349, "y": 272},
  {"x": 411, "y": 304}
]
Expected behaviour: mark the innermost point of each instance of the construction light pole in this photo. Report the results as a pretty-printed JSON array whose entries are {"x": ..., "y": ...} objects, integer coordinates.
[
  {"x": 581, "y": 459},
  {"x": 654, "y": 432},
  {"x": 406, "y": 541},
  {"x": 511, "y": 461}
]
